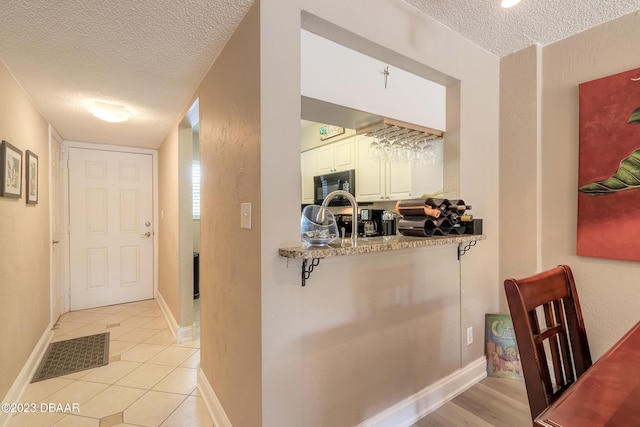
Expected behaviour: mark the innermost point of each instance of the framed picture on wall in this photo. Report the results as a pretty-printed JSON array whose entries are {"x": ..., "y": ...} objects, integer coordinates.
[
  {"x": 31, "y": 176},
  {"x": 10, "y": 171},
  {"x": 609, "y": 167}
]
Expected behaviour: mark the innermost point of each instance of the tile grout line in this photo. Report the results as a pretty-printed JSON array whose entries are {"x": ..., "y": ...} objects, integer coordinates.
[{"x": 147, "y": 313}]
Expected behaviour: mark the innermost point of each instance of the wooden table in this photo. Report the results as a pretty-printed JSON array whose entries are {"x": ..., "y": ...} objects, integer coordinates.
[{"x": 607, "y": 395}]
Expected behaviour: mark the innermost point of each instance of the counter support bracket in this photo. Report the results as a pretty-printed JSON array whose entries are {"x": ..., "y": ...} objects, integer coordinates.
[
  {"x": 307, "y": 269},
  {"x": 462, "y": 249}
]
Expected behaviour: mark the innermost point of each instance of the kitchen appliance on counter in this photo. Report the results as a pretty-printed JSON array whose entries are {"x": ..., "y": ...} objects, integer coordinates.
[
  {"x": 325, "y": 184},
  {"x": 390, "y": 223},
  {"x": 370, "y": 222},
  {"x": 344, "y": 221}
]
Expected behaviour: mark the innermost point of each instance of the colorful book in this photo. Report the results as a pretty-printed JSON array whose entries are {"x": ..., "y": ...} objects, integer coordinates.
[{"x": 503, "y": 358}]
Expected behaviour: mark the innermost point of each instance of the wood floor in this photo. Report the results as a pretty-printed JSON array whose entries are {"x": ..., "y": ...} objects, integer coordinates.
[{"x": 494, "y": 402}]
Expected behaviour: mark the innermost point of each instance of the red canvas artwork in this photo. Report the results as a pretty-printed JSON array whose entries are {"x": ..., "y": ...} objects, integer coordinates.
[{"x": 609, "y": 167}]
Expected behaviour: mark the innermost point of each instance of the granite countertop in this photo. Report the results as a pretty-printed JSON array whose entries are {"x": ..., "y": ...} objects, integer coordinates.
[{"x": 374, "y": 244}]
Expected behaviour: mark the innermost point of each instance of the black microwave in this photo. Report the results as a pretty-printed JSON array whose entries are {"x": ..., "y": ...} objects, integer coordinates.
[{"x": 325, "y": 184}]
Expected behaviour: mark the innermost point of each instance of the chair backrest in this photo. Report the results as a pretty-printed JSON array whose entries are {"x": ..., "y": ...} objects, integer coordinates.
[{"x": 551, "y": 335}]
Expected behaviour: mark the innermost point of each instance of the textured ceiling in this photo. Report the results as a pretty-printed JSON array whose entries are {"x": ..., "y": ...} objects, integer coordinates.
[
  {"x": 150, "y": 55},
  {"x": 504, "y": 31}
]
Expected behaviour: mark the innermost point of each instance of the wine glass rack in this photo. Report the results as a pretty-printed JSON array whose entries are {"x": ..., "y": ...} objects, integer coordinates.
[{"x": 403, "y": 132}]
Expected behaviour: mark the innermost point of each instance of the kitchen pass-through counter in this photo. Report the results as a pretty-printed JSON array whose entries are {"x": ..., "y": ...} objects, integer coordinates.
[{"x": 311, "y": 255}]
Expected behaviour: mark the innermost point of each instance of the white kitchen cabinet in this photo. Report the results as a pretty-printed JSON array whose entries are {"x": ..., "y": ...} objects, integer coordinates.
[
  {"x": 336, "y": 157},
  {"x": 376, "y": 180},
  {"x": 308, "y": 171},
  {"x": 398, "y": 181},
  {"x": 370, "y": 174},
  {"x": 324, "y": 159}
]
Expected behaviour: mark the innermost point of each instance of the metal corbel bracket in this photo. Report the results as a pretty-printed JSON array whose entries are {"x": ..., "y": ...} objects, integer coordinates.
[
  {"x": 463, "y": 249},
  {"x": 307, "y": 269}
]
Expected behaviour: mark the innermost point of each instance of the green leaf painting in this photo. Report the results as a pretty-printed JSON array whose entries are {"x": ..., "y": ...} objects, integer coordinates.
[
  {"x": 627, "y": 177},
  {"x": 635, "y": 117}
]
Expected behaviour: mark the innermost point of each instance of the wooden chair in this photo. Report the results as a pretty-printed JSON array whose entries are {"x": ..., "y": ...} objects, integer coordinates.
[{"x": 552, "y": 341}]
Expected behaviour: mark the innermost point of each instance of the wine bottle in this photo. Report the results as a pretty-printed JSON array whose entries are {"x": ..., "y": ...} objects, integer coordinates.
[
  {"x": 432, "y": 212},
  {"x": 458, "y": 206},
  {"x": 416, "y": 207}
]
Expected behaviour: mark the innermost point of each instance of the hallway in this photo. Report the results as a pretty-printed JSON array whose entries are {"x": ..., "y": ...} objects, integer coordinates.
[{"x": 149, "y": 381}]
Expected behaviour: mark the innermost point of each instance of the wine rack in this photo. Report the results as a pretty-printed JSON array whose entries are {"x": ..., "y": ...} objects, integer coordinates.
[{"x": 428, "y": 217}]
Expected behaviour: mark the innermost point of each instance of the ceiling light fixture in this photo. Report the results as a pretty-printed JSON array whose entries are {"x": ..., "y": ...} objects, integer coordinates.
[
  {"x": 508, "y": 3},
  {"x": 114, "y": 113}
]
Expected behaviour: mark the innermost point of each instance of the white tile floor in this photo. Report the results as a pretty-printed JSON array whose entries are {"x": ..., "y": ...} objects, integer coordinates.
[{"x": 149, "y": 381}]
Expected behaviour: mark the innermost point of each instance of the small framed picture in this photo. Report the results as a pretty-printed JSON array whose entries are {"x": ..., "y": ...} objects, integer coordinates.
[
  {"x": 10, "y": 171},
  {"x": 31, "y": 177}
]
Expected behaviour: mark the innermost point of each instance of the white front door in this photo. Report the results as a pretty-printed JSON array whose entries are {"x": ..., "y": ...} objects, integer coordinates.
[
  {"x": 110, "y": 225},
  {"x": 57, "y": 228}
]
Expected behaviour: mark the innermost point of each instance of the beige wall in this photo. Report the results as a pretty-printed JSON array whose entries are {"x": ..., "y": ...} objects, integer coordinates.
[
  {"x": 369, "y": 331},
  {"x": 520, "y": 191},
  {"x": 609, "y": 290},
  {"x": 168, "y": 228},
  {"x": 229, "y": 256},
  {"x": 24, "y": 238},
  {"x": 539, "y": 163}
]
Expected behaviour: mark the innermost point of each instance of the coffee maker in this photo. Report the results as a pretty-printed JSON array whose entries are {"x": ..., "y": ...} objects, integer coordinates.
[
  {"x": 344, "y": 221},
  {"x": 370, "y": 223}
]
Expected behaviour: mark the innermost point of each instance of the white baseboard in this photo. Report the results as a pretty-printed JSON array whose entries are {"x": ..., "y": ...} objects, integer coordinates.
[
  {"x": 411, "y": 409},
  {"x": 185, "y": 333},
  {"x": 27, "y": 372},
  {"x": 402, "y": 414},
  {"x": 181, "y": 334},
  {"x": 214, "y": 406}
]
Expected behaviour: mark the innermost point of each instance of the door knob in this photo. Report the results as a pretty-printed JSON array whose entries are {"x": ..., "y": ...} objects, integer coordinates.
[
  {"x": 147, "y": 234},
  {"x": 147, "y": 224}
]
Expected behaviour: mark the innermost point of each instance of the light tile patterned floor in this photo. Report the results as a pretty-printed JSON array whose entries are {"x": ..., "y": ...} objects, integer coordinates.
[{"x": 149, "y": 381}]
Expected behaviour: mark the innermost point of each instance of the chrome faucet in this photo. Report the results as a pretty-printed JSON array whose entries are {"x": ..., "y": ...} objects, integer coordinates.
[{"x": 354, "y": 205}]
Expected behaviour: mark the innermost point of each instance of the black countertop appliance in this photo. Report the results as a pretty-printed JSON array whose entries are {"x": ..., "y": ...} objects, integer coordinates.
[
  {"x": 325, "y": 184},
  {"x": 370, "y": 223}
]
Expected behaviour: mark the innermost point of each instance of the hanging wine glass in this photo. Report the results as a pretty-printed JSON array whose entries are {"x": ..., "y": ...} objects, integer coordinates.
[
  {"x": 420, "y": 152},
  {"x": 410, "y": 150},
  {"x": 396, "y": 150},
  {"x": 430, "y": 153},
  {"x": 374, "y": 147}
]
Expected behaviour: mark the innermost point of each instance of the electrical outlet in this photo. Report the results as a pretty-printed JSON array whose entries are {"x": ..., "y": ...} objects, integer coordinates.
[
  {"x": 245, "y": 215},
  {"x": 469, "y": 335}
]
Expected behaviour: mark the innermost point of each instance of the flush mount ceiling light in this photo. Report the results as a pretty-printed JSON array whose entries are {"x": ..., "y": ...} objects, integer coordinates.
[
  {"x": 114, "y": 113},
  {"x": 508, "y": 3}
]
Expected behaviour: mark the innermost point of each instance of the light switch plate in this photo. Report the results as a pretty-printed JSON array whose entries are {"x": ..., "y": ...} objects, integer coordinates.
[{"x": 245, "y": 215}]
